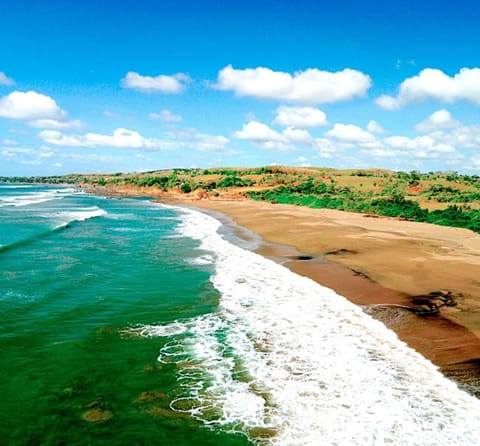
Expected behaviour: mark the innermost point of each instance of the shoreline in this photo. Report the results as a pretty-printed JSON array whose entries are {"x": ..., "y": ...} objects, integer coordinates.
[
  {"x": 451, "y": 345},
  {"x": 378, "y": 263}
]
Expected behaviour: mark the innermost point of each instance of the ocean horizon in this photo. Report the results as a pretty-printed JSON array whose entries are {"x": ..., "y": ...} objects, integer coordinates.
[{"x": 130, "y": 321}]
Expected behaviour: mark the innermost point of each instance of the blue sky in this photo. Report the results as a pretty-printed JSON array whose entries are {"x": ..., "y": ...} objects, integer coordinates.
[{"x": 143, "y": 85}]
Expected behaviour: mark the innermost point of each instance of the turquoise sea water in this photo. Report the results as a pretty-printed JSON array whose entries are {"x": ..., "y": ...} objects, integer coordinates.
[
  {"x": 128, "y": 322},
  {"x": 76, "y": 271}
]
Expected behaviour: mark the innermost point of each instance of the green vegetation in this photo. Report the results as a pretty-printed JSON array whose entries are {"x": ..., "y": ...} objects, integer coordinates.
[{"x": 448, "y": 199}]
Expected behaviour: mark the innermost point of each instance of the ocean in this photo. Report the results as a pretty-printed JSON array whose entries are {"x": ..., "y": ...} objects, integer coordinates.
[{"x": 125, "y": 321}]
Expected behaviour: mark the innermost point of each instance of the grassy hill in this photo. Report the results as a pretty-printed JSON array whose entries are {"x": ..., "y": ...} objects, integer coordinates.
[{"x": 447, "y": 199}]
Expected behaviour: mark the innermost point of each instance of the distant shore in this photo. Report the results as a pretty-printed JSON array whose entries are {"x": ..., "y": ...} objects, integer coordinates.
[{"x": 382, "y": 264}]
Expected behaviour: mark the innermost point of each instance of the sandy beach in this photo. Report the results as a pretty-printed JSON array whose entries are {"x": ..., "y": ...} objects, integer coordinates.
[{"x": 380, "y": 263}]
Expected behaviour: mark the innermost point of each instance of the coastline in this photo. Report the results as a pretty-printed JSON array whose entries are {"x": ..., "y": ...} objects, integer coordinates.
[
  {"x": 379, "y": 263},
  {"x": 299, "y": 238}
]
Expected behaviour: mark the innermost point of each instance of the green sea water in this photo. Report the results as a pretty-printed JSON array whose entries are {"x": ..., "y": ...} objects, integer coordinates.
[
  {"x": 76, "y": 272},
  {"x": 127, "y": 322}
]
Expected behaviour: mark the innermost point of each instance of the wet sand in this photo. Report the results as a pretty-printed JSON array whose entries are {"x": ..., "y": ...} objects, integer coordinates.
[{"x": 380, "y": 264}]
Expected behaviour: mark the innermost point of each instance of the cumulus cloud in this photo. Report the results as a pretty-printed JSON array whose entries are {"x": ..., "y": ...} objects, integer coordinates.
[
  {"x": 301, "y": 117},
  {"x": 349, "y": 133},
  {"x": 387, "y": 102},
  {"x": 439, "y": 120},
  {"x": 435, "y": 84},
  {"x": 417, "y": 143},
  {"x": 257, "y": 132},
  {"x": 262, "y": 136},
  {"x": 298, "y": 136},
  {"x": 291, "y": 138},
  {"x": 121, "y": 138},
  {"x": 166, "y": 116},
  {"x": 375, "y": 128},
  {"x": 162, "y": 83},
  {"x": 311, "y": 86},
  {"x": 347, "y": 142},
  {"x": 4, "y": 80},
  {"x": 29, "y": 106},
  {"x": 464, "y": 136},
  {"x": 265, "y": 137},
  {"x": 420, "y": 147}
]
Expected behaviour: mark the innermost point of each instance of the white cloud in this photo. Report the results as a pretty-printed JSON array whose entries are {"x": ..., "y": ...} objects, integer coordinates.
[
  {"x": 166, "y": 116},
  {"x": 302, "y": 117},
  {"x": 12, "y": 152},
  {"x": 443, "y": 146},
  {"x": 467, "y": 137},
  {"x": 263, "y": 136},
  {"x": 347, "y": 141},
  {"x": 258, "y": 132},
  {"x": 435, "y": 84},
  {"x": 439, "y": 120},
  {"x": 121, "y": 138},
  {"x": 209, "y": 143},
  {"x": 349, "y": 133},
  {"x": 189, "y": 139},
  {"x": 56, "y": 124},
  {"x": 9, "y": 142},
  {"x": 387, "y": 102},
  {"x": 289, "y": 139},
  {"x": 375, "y": 128},
  {"x": 4, "y": 80},
  {"x": 161, "y": 83},
  {"x": 298, "y": 136},
  {"x": 420, "y": 147},
  {"x": 311, "y": 86},
  {"x": 29, "y": 106}
]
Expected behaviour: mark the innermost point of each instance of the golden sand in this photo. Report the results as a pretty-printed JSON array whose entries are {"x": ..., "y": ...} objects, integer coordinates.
[{"x": 376, "y": 260}]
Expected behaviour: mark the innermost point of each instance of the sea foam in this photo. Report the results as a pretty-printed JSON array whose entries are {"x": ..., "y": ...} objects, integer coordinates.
[
  {"x": 81, "y": 214},
  {"x": 31, "y": 198},
  {"x": 289, "y": 362}
]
